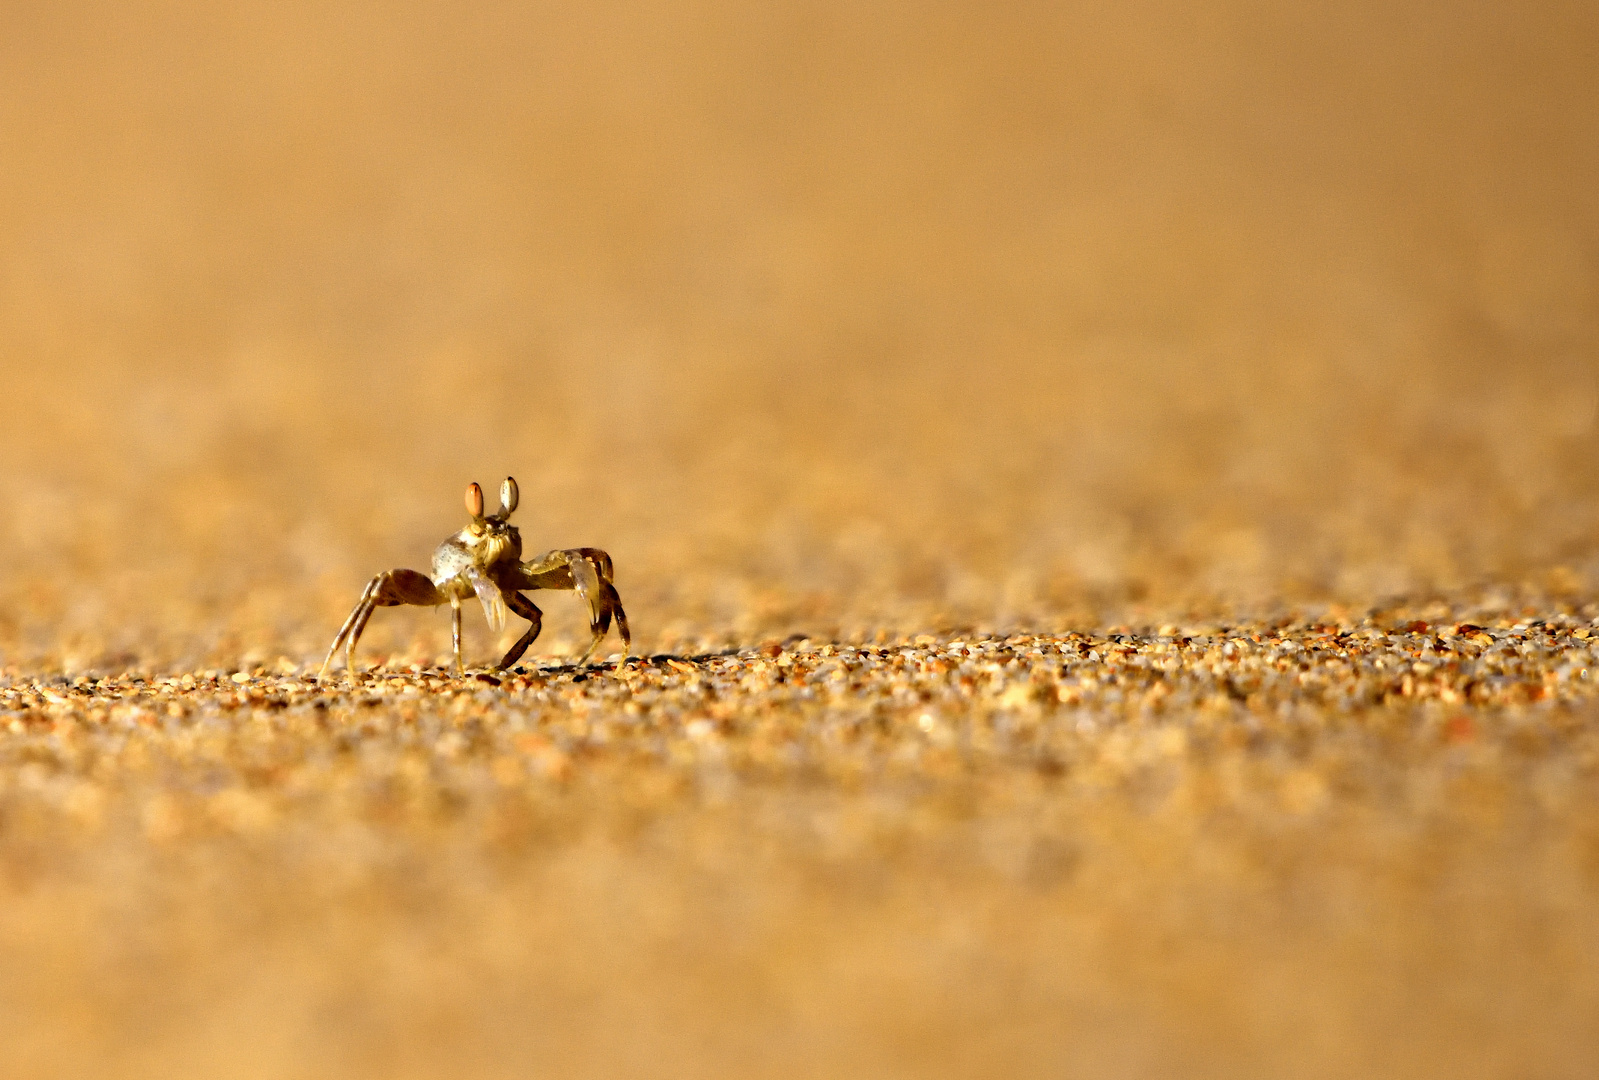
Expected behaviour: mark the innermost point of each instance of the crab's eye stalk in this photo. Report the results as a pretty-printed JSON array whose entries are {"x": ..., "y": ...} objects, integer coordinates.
[
  {"x": 474, "y": 501},
  {"x": 508, "y": 496}
]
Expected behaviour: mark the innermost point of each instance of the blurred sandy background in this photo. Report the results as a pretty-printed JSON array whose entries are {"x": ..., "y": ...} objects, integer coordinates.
[
  {"x": 854, "y": 321},
  {"x": 819, "y": 317}
]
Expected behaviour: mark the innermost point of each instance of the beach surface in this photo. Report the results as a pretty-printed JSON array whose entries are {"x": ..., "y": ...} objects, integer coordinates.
[{"x": 1107, "y": 504}]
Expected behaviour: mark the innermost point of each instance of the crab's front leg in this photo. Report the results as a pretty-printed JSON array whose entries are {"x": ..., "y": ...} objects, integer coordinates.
[{"x": 389, "y": 589}]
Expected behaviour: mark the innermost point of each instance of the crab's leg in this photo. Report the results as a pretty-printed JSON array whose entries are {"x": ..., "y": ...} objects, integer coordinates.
[
  {"x": 455, "y": 633},
  {"x": 604, "y": 601},
  {"x": 525, "y": 608},
  {"x": 389, "y": 589},
  {"x": 360, "y": 628},
  {"x": 586, "y": 581},
  {"x": 349, "y": 624},
  {"x": 586, "y": 571},
  {"x": 615, "y": 600}
]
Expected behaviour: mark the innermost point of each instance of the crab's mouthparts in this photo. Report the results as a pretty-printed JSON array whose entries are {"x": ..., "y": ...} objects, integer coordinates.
[{"x": 495, "y": 549}]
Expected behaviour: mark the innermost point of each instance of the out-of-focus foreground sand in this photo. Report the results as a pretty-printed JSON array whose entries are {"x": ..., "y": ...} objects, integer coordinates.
[{"x": 837, "y": 325}]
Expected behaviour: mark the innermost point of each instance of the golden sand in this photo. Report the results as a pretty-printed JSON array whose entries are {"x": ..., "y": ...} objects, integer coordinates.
[{"x": 1108, "y": 505}]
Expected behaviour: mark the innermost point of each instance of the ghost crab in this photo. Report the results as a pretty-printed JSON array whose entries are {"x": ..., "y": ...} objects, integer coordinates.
[{"x": 483, "y": 559}]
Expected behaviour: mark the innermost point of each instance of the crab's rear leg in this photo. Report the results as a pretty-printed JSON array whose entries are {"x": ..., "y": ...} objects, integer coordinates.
[{"x": 389, "y": 589}]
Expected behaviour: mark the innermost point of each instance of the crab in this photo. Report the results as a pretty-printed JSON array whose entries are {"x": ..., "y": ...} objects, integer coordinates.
[{"x": 484, "y": 559}]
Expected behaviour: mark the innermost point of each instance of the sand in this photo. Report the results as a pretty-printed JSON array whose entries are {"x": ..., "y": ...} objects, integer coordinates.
[{"x": 1108, "y": 506}]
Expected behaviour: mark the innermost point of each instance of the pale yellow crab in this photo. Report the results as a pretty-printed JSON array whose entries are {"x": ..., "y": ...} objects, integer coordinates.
[{"x": 484, "y": 559}]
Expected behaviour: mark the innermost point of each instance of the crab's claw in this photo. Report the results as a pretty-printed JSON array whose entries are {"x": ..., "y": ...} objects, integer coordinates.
[{"x": 490, "y": 596}]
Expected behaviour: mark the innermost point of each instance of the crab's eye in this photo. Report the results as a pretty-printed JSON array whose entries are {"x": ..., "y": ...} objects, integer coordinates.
[
  {"x": 508, "y": 496},
  {"x": 474, "y": 500}
]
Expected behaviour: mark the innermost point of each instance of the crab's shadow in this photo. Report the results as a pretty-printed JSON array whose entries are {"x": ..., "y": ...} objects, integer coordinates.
[{"x": 612, "y": 667}]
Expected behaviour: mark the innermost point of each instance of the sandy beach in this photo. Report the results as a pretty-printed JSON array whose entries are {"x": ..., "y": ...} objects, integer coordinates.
[{"x": 1107, "y": 503}]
